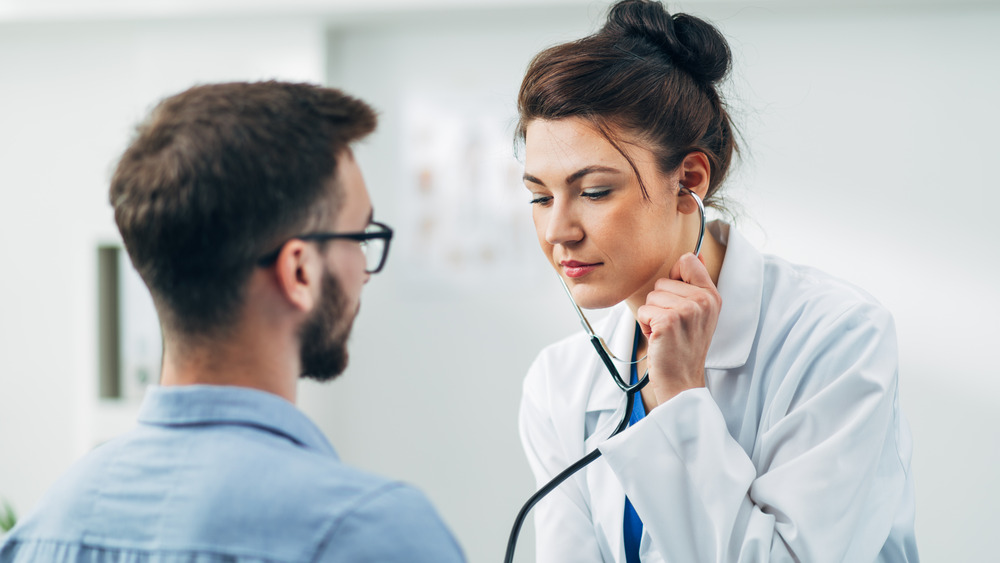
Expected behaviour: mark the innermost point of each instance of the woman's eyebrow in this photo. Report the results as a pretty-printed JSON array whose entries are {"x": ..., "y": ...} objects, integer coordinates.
[
  {"x": 529, "y": 178},
  {"x": 590, "y": 170},
  {"x": 576, "y": 175}
]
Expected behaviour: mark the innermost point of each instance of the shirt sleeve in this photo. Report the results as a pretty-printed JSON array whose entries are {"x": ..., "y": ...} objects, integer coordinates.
[
  {"x": 564, "y": 531},
  {"x": 394, "y": 523},
  {"x": 825, "y": 477}
]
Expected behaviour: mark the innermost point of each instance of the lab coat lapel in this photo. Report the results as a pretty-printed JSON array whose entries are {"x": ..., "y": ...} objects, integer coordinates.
[
  {"x": 607, "y": 507},
  {"x": 608, "y": 401}
]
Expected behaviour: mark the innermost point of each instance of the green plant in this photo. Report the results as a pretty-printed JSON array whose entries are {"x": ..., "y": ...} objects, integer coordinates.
[{"x": 7, "y": 516}]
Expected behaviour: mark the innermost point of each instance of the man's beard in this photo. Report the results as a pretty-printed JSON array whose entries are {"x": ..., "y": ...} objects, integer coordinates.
[{"x": 324, "y": 335}]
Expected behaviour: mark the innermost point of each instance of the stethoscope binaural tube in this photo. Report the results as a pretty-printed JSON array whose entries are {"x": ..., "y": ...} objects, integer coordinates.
[
  {"x": 599, "y": 344},
  {"x": 606, "y": 356}
]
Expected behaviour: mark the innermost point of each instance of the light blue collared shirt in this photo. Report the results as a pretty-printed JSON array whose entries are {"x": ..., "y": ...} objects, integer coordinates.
[{"x": 224, "y": 474}]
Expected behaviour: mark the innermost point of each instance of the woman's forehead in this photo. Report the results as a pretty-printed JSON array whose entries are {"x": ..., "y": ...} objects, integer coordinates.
[
  {"x": 562, "y": 146},
  {"x": 568, "y": 142}
]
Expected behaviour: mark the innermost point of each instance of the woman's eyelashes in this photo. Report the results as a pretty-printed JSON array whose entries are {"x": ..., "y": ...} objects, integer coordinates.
[
  {"x": 592, "y": 194},
  {"x": 595, "y": 193}
]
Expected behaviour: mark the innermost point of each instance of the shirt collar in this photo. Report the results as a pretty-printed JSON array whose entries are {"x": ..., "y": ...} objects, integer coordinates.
[{"x": 183, "y": 405}]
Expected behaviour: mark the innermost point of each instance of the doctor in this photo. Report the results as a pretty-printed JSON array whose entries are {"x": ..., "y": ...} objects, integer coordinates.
[{"x": 770, "y": 429}]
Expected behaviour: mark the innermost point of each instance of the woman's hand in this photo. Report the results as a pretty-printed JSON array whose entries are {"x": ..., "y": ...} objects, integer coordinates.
[{"x": 678, "y": 320}]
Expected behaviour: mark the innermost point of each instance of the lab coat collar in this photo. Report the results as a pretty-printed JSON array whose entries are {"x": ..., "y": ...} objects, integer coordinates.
[
  {"x": 618, "y": 330},
  {"x": 741, "y": 285}
]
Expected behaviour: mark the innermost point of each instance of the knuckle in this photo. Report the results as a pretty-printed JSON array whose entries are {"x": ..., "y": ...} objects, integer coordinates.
[
  {"x": 714, "y": 297},
  {"x": 671, "y": 316},
  {"x": 691, "y": 308},
  {"x": 709, "y": 298},
  {"x": 644, "y": 312}
]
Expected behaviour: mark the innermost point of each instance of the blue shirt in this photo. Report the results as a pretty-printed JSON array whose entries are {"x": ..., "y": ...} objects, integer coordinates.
[
  {"x": 631, "y": 523},
  {"x": 215, "y": 474}
]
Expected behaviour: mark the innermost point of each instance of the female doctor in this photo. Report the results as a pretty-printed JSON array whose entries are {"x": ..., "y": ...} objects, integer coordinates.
[{"x": 770, "y": 429}]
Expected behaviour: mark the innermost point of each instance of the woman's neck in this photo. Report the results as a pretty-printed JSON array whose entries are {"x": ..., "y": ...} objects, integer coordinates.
[{"x": 713, "y": 252}]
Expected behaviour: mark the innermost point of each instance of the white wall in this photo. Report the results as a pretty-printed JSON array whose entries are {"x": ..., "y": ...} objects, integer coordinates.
[{"x": 870, "y": 133}]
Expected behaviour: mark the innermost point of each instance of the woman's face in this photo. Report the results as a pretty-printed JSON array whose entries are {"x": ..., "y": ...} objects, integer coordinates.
[{"x": 607, "y": 241}]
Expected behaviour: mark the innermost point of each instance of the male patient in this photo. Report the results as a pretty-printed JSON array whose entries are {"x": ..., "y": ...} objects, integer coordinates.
[{"x": 242, "y": 207}]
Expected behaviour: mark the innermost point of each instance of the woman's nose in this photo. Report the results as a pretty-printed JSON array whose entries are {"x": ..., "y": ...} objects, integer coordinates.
[{"x": 563, "y": 226}]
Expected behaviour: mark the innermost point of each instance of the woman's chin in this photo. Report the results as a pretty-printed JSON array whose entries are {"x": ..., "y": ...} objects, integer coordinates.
[{"x": 586, "y": 298}]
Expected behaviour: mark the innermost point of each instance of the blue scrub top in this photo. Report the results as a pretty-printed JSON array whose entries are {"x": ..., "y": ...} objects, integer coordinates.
[{"x": 632, "y": 525}]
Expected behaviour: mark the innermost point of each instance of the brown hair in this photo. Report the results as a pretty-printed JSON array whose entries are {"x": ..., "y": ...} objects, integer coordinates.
[
  {"x": 218, "y": 175},
  {"x": 646, "y": 73}
]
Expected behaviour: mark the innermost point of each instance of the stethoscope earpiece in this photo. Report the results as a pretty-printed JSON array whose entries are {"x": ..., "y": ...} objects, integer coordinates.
[{"x": 701, "y": 215}]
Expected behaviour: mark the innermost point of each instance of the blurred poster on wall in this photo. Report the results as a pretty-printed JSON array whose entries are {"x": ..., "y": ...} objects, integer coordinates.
[{"x": 466, "y": 221}]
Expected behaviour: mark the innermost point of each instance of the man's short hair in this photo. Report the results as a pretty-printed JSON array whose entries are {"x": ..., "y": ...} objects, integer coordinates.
[{"x": 219, "y": 175}]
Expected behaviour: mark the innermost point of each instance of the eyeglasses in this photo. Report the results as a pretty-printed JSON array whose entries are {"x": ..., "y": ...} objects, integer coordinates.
[{"x": 374, "y": 241}]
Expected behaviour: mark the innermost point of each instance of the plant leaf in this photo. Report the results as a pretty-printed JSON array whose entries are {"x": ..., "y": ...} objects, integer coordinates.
[{"x": 7, "y": 517}]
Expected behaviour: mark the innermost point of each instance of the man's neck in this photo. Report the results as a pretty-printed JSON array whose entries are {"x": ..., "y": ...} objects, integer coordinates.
[{"x": 243, "y": 361}]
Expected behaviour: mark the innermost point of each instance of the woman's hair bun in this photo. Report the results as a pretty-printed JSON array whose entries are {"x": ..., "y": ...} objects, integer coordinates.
[{"x": 690, "y": 43}]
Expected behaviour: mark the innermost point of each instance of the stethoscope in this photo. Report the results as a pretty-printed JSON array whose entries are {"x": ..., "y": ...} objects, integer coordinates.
[{"x": 608, "y": 357}]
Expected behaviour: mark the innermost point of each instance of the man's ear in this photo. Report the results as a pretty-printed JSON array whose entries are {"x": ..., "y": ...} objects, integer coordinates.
[
  {"x": 297, "y": 271},
  {"x": 695, "y": 175}
]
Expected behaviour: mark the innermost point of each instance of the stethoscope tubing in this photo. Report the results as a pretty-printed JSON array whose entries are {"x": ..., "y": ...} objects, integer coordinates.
[{"x": 572, "y": 469}]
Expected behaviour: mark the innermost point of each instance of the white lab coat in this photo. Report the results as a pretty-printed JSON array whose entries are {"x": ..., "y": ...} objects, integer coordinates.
[{"x": 795, "y": 451}]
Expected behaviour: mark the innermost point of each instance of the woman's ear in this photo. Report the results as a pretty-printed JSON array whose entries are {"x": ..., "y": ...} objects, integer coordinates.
[
  {"x": 297, "y": 274},
  {"x": 695, "y": 175}
]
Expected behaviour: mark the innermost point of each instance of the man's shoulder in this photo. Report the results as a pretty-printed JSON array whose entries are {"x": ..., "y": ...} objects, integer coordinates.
[
  {"x": 397, "y": 511},
  {"x": 269, "y": 478},
  {"x": 321, "y": 509},
  {"x": 344, "y": 513},
  {"x": 362, "y": 518},
  {"x": 254, "y": 494}
]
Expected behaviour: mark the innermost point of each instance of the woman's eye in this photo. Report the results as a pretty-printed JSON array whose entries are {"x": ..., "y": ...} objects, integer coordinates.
[
  {"x": 540, "y": 200},
  {"x": 596, "y": 193}
]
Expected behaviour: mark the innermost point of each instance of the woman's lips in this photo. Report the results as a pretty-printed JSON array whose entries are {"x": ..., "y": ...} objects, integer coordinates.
[{"x": 576, "y": 269}]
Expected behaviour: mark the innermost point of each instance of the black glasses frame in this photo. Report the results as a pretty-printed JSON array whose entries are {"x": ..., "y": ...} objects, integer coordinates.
[{"x": 385, "y": 234}]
